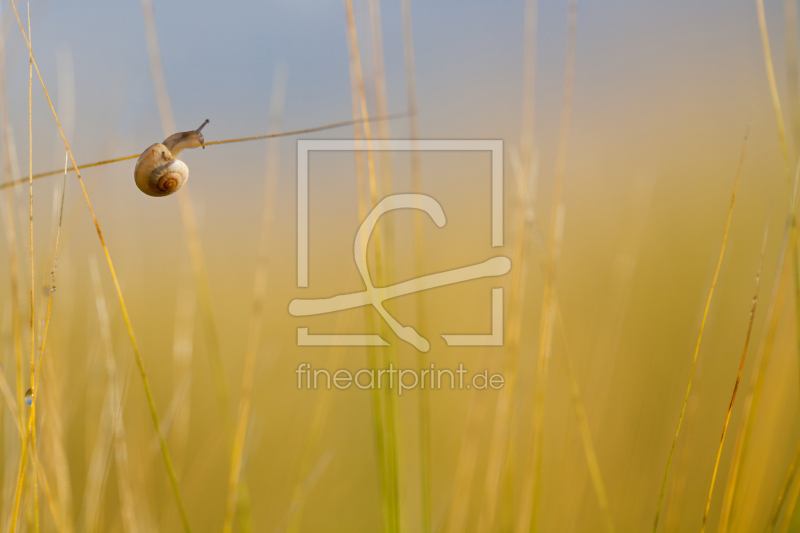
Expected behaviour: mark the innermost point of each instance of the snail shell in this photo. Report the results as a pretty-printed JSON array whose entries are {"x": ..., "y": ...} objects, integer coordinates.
[{"x": 157, "y": 172}]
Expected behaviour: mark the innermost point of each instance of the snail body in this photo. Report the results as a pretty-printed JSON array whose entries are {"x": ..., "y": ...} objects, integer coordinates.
[{"x": 158, "y": 172}]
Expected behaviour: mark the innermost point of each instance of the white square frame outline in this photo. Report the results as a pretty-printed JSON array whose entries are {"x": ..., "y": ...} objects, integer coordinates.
[{"x": 304, "y": 146}]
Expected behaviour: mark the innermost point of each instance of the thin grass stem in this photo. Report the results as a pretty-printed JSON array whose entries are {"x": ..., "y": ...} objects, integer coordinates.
[
  {"x": 756, "y": 385},
  {"x": 386, "y": 406},
  {"x": 33, "y": 275},
  {"x": 702, "y": 325},
  {"x": 140, "y": 365},
  {"x": 376, "y": 402},
  {"x": 738, "y": 378},
  {"x": 757, "y": 382},
  {"x": 212, "y": 143}
]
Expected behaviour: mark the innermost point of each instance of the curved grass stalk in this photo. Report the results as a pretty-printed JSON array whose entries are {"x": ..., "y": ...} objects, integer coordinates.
[
  {"x": 738, "y": 378},
  {"x": 703, "y": 325},
  {"x": 150, "y": 400}
]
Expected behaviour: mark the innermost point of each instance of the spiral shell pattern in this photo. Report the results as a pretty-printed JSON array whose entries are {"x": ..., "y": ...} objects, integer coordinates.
[{"x": 157, "y": 173}]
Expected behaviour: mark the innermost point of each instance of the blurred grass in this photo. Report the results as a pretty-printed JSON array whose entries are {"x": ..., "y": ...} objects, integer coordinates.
[{"x": 631, "y": 285}]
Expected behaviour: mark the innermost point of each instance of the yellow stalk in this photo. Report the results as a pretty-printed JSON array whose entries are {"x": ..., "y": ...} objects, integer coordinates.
[
  {"x": 384, "y": 262},
  {"x": 738, "y": 378},
  {"x": 757, "y": 382},
  {"x": 151, "y": 402},
  {"x": 361, "y": 190},
  {"x": 12, "y": 406},
  {"x": 385, "y": 408},
  {"x": 33, "y": 277},
  {"x": 702, "y": 325},
  {"x": 755, "y": 387},
  {"x": 776, "y": 104}
]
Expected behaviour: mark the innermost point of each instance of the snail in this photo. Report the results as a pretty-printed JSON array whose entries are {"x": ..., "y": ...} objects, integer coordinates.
[{"x": 157, "y": 172}]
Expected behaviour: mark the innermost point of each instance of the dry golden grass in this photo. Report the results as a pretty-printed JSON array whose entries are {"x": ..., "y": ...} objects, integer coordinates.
[{"x": 526, "y": 458}]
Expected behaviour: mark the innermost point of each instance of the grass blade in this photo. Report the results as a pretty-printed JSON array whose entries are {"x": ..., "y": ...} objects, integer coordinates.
[
  {"x": 702, "y": 326},
  {"x": 151, "y": 402},
  {"x": 738, "y": 378}
]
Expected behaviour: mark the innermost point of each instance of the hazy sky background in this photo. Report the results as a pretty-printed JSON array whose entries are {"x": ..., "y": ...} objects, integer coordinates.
[{"x": 219, "y": 59}]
